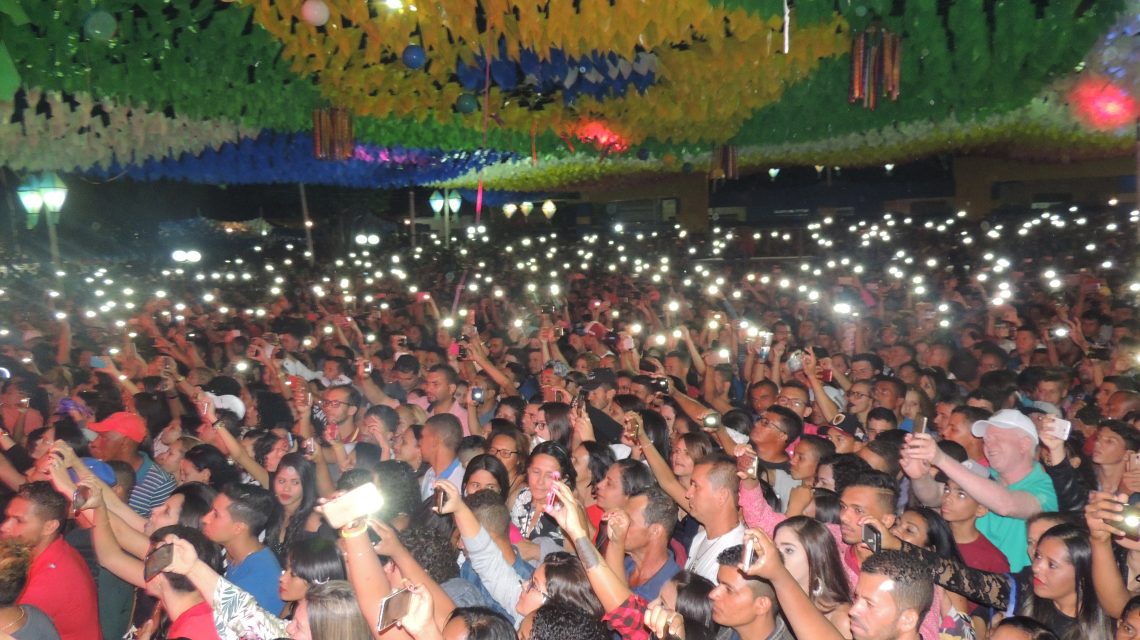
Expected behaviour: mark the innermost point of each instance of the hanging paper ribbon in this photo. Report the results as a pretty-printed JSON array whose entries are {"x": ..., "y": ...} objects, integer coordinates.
[{"x": 876, "y": 66}]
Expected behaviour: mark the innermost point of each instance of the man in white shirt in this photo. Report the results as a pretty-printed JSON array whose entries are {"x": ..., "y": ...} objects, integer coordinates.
[{"x": 712, "y": 501}]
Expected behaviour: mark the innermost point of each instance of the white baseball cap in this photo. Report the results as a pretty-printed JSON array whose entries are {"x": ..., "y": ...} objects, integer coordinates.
[{"x": 1006, "y": 419}]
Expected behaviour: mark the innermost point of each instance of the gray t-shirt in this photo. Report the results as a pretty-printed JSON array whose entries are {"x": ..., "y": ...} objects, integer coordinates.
[{"x": 37, "y": 627}]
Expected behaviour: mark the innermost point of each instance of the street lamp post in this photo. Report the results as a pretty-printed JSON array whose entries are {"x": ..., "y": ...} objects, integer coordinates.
[
  {"x": 447, "y": 202},
  {"x": 44, "y": 194}
]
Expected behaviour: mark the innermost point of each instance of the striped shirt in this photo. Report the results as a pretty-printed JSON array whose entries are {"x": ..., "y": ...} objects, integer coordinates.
[{"x": 152, "y": 487}]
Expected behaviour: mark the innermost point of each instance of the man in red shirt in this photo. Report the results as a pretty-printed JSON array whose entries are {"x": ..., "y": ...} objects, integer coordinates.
[
  {"x": 190, "y": 615},
  {"x": 59, "y": 582}
]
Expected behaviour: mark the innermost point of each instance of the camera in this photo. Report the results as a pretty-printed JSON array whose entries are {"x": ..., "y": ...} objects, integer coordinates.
[
  {"x": 660, "y": 385},
  {"x": 477, "y": 395},
  {"x": 463, "y": 353},
  {"x": 548, "y": 309}
]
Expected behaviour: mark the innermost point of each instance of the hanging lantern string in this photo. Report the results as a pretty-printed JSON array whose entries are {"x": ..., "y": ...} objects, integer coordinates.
[{"x": 486, "y": 115}]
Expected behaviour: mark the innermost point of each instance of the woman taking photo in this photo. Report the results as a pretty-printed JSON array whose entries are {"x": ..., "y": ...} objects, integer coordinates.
[{"x": 549, "y": 463}]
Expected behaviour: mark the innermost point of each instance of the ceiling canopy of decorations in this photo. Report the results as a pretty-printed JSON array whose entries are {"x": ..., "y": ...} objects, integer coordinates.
[{"x": 540, "y": 94}]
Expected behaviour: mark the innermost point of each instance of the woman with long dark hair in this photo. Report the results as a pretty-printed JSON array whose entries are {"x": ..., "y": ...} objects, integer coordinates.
[
  {"x": 294, "y": 485},
  {"x": 204, "y": 463},
  {"x": 1062, "y": 596},
  {"x": 308, "y": 562},
  {"x": 485, "y": 472},
  {"x": 809, "y": 552}
]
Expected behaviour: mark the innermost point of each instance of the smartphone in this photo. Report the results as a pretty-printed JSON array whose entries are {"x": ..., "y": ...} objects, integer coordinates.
[
  {"x": 310, "y": 445},
  {"x": 711, "y": 421},
  {"x": 157, "y": 560},
  {"x": 478, "y": 395},
  {"x": 919, "y": 425},
  {"x": 551, "y": 495},
  {"x": 1096, "y": 353},
  {"x": 749, "y": 465},
  {"x": 872, "y": 538},
  {"x": 392, "y": 608},
  {"x": 1058, "y": 428},
  {"x": 549, "y": 394},
  {"x": 354, "y": 505},
  {"x": 748, "y": 555},
  {"x": 440, "y": 500},
  {"x": 97, "y": 362}
]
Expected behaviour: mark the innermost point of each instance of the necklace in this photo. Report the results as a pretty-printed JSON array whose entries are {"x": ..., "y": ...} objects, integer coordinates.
[{"x": 19, "y": 619}]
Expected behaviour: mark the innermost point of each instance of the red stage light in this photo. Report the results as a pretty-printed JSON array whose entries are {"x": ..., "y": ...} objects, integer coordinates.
[
  {"x": 601, "y": 136},
  {"x": 1102, "y": 104}
]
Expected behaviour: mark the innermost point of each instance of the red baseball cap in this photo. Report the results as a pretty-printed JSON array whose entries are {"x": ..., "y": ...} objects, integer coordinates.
[{"x": 123, "y": 423}]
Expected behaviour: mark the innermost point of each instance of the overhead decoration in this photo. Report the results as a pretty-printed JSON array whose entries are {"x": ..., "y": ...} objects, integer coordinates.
[
  {"x": 14, "y": 13},
  {"x": 710, "y": 67},
  {"x": 52, "y": 132},
  {"x": 670, "y": 81},
  {"x": 272, "y": 159}
]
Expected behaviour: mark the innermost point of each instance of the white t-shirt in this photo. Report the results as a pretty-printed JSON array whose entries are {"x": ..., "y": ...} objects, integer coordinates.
[{"x": 703, "y": 552}]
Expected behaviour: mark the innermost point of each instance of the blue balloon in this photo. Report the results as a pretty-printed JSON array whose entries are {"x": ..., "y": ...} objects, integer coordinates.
[
  {"x": 643, "y": 154},
  {"x": 414, "y": 56}
]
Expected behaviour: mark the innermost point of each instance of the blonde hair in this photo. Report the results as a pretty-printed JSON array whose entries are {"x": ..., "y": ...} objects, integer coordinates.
[
  {"x": 15, "y": 558},
  {"x": 413, "y": 413},
  {"x": 334, "y": 613}
]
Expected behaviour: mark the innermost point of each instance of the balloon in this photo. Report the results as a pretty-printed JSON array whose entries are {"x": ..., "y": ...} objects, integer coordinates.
[
  {"x": 643, "y": 154},
  {"x": 100, "y": 26},
  {"x": 687, "y": 167},
  {"x": 414, "y": 56},
  {"x": 315, "y": 12},
  {"x": 466, "y": 103}
]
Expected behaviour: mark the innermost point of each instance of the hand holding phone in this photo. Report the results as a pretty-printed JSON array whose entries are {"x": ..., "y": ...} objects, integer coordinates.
[
  {"x": 873, "y": 538},
  {"x": 392, "y": 608},
  {"x": 1058, "y": 427},
  {"x": 157, "y": 561},
  {"x": 359, "y": 503}
]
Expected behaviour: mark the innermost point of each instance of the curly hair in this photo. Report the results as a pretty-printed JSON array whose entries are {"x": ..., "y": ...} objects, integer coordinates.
[
  {"x": 433, "y": 551},
  {"x": 15, "y": 558}
]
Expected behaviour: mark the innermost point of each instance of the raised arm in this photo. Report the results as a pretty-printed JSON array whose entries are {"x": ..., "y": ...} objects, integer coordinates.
[{"x": 990, "y": 494}]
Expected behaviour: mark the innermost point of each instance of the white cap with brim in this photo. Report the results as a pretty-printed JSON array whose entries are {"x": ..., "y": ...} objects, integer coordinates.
[{"x": 1006, "y": 419}]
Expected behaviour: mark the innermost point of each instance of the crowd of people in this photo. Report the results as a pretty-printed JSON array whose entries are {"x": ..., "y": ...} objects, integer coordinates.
[{"x": 625, "y": 434}]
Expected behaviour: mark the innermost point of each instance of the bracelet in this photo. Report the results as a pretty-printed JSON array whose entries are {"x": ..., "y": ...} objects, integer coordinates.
[{"x": 354, "y": 532}]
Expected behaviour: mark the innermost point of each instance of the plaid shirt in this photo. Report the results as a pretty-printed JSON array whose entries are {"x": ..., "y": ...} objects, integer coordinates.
[{"x": 628, "y": 619}]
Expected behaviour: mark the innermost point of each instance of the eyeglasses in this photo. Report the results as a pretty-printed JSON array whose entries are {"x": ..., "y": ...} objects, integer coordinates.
[
  {"x": 506, "y": 453},
  {"x": 531, "y": 585},
  {"x": 858, "y": 394},
  {"x": 785, "y": 401},
  {"x": 332, "y": 403},
  {"x": 539, "y": 425},
  {"x": 770, "y": 424}
]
